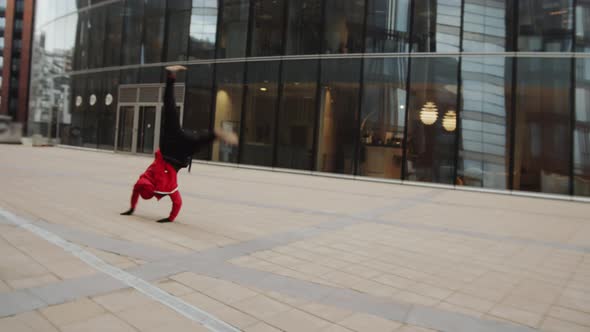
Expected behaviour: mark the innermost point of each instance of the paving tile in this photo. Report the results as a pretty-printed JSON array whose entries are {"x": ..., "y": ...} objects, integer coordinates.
[
  {"x": 72, "y": 312},
  {"x": 574, "y": 316},
  {"x": 297, "y": 320},
  {"x": 261, "y": 327},
  {"x": 551, "y": 324},
  {"x": 516, "y": 315},
  {"x": 329, "y": 313},
  {"x": 261, "y": 306},
  {"x": 198, "y": 282},
  {"x": 471, "y": 302},
  {"x": 364, "y": 322},
  {"x": 174, "y": 288},
  {"x": 34, "y": 320},
  {"x": 105, "y": 322},
  {"x": 150, "y": 315},
  {"x": 411, "y": 328},
  {"x": 122, "y": 300},
  {"x": 33, "y": 281}
]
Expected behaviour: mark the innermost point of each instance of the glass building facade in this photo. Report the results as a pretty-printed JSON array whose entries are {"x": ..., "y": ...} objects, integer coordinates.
[{"x": 487, "y": 94}]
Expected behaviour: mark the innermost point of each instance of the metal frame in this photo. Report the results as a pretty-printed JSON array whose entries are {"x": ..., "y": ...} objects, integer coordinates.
[{"x": 136, "y": 106}]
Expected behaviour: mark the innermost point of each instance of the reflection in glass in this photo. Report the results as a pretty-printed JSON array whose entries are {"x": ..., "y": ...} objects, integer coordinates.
[
  {"x": 203, "y": 29},
  {"x": 198, "y": 100},
  {"x": 486, "y": 25},
  {"x": 388, "y": 26},
  {"x": 343, "y": 31},
  {"x": 114, "y": 26},
  {"x": 91, "y": 112},
  {"x": 383, "y": 117},
  {"x": 583, "y": 26},
  {"x": 108, "y": 111},
  {"x": 267, "y": 32},
  {"x": 234, "y": 29},
  {"x": 260, "y": 113},
  {"x": 545, "y": 25},
  {"x": 153, "y": 36},
  {"x": 484, "y": 141},
  {"x": 339, "y": 107},
  {"x": 132, "y": 32},
  {"x": 77, "y": 107},
  {"x": 297, "y": 114},
  {"x": 304, "y": 22},
  {"x": 582, "y": 129},
  {"x": 229, "y": 79},
  {"x": 82, "y": 42},
  {"x": 433, "y": 94},
  {"x": 542, "y": 141},
  {"x": 437, "y": 26},
  {"x": 178, "y": 16},
  {"x": 96, "y": 32}
]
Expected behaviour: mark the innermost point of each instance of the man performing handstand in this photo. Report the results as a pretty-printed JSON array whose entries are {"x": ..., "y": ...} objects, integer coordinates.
[{"x": 176, "y": 150}]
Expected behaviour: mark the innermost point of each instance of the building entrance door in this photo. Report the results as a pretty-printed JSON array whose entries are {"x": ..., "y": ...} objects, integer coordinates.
[{"x": 139, "y": 117}]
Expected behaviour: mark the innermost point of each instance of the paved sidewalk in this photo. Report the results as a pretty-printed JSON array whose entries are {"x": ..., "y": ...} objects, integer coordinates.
[{"x": 263, "y": 251}]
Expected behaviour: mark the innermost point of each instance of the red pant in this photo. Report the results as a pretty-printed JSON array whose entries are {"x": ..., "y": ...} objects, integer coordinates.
[{"x": 146, "y": 191}]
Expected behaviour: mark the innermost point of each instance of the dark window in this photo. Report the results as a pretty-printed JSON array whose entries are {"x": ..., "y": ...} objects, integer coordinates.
[
  {"x": 339, "y": 105},
  {"x": 267, "y": 32},
  {"x": 96, "y": 31},
  {"x": 114, "y": 26},
  {"x": 260, "y": 113},
  {"x": 583, "y": 26},
  {"x": 228, "y": 107},
  {"x": 582, "y": 129},
  {"x": 297, "y": 114},
  {"x": 82, "y": 42},
  {"x": 234, "y": 29},
  {"x": 304, "y": 22},
  {"x": 344, "y": 26},
  {"x": 545, "y": 25},
  {"x": 178, "y": 20},
  {"x": 432, "y": 120},
  {"x": 197, "y": 111},
  {"x": 388, "y": 24},
  {"x": 383, "y": 117},
  {"x": 542, "y": 141},
  {"x": 484, "y": 142},
  {"x": 132, "y": 32},
  {"x": 153, "y": 36},
  {"x": 436, "y": 26},
  {"x": 107, "y": 105},
  {"x": 203, "y": 29},
  {"x": 91, "y": 109},
  {"x": 487, "y": 26}
]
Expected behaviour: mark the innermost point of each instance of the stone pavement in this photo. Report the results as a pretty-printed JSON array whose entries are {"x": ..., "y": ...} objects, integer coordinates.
[{"x": 265, "y": 251}]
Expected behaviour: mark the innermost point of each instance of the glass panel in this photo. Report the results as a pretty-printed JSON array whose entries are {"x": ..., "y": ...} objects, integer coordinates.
[
  {"x": 126, "y": 114},
  {"x": 582, "y": 129},
  {"x": 78, "y": 107},
  {"x": 178, "y": 19},
  {"x": 383, "y": 117},
  {"x": 267, "y": 34},
  {"x": 146, "y": 129},
  {"x": 96, "y": 31},
  {"x": 69, "y": 39},
  {"x": 297, "y": 114},
  {"x": 82, "y": 42},
  {"x": 260, "y": 113},
  {"x": 203, "y": 29},
  {"x": 198, "y": 100},
  {"x": 304, "y": 23},
  {"x": 487, "y": 25},
  {"x": 484, "y": 142},
  {"x": 108, "y": 102},
  {"x": 234, "y": 29},
  {"x": 91, "y": 111},
  {"x": 153, "y": 36},
  {"x": 583, "y": 26},
  {"x": 228, "y": 107},
  {"x": 432, "y": 120},
  {"x": 114, "y": 26},
  {"x": 388, "y": 25},
  {"x": 338, "y": 115},
  {"x": 545, "y": 25},
  {"x": 542, "y": 142},
  {"x": 132, "y": 32},
  {"x": 437, "y": 26},
  {"x": 344, "y": 25}
]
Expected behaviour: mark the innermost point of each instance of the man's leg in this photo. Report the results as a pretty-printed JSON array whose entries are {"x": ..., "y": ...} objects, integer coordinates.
[{"x": 176, "y": 205}]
